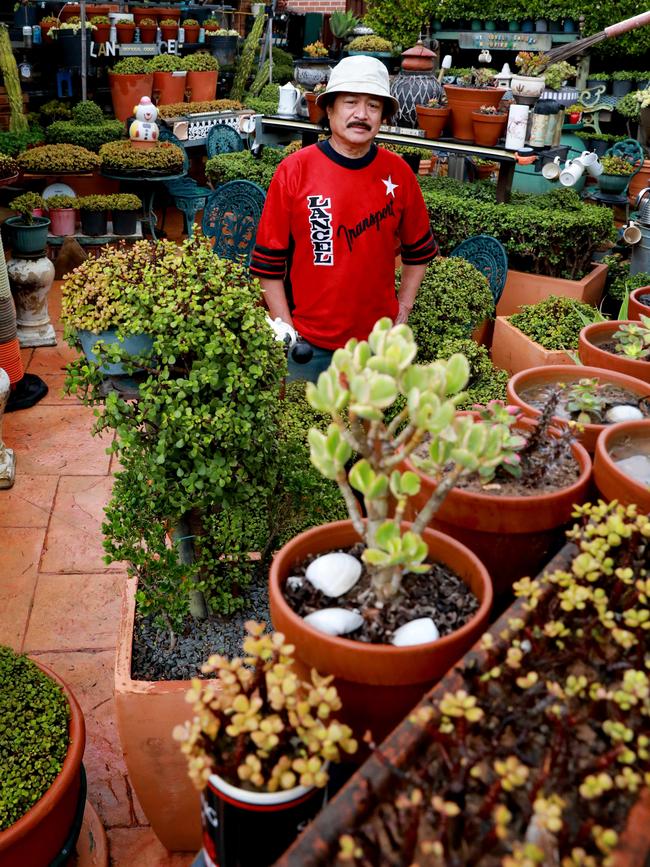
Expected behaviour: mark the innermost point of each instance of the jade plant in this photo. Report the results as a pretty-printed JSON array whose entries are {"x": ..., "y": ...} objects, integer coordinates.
[
  {"x": 257, "y": 725},
  {"x": 201, "y": 61},
  {"x": 632, "y": 339},
  {"x": 58, "y": 159},
  {"x": 557, "y": 73},
  {"x": 33, "y": 736},
  {"x": 316, "y": 49},
  {"x": 531, "y": 63},
  {"x": 365, "y": 379},
  {"x": 120, "y": 157},
  {"x": 26, "y": 204}
]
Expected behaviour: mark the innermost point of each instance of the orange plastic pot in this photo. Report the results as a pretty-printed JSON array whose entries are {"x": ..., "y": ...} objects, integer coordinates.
[
  {"x": 192, "y": 35},
  {"x": 202, "y": 86},
  {"x": 463, "y": 101},
  {"x": 636, "y": 308},
  {"x": 612, "y": 482},
  {"x": 561, "y": 373},
  {"x": 169, "y": 31},
  {"x": 125, "y": 33},
  {"x": 432, "y": 120},
  {"x": 127, "y": 91},
  {"x": 148, "y": 33},
  {"x": 512, "y": 536},
  {"x": 38, "y": 837},
  {"x": 316, "y": 114},
  {"x": 168, "y": 87},
  {"x": 378, "y": 683},
  {"x": 488, "y": 128},
  {"x": 591, "y": 353},
  {"x": 101, "y": 32}
]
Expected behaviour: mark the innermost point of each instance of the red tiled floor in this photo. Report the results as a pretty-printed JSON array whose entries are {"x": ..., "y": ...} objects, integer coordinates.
[
  {"x": 52, "y": 359},
  {"x": 55, "y": 395},
  {"x": 141, "y": 846},
  {"x": 29, "y": 502},
  {"x": 21, "y": 550}
]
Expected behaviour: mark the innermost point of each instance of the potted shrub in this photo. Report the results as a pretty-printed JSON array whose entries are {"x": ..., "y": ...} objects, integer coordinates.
[
  {"x": 191, "y": 28},
  {"x": 211, "y": 26},
  {"x": 488, "y": 125},
  {"x": 476, "y": 90},
  {"x": 9, "y": 168},
  {"x": 29, "y": 229},
  {"x": 615, "y": 175},
  {"x": 374, "y": 46},
  {"x": 622, "y": 464},
  {"x": 222, "y": 43},
  {"x": 62, "y": 214},
  {"x": 620, "y": 345},
  {"x": 462, "y": 782},
  {"x": 68, "y": 38},
  {"x": 93, "y": 213},
  {"x": 125, "y": 31},
  {"x": 529, "y": 81},
  {"x": 409, "y": 154},
  {"x": 238, "y": 769},
  {"x": 381, "y": 676},
  {"x": 622, "y": 82},
  {"x": 130, "y": 80},
  {"x": 102, "y": 26},
  {"x": 169, "y": 29},
  {"x": 125, "y": 208},
  {"x": 120, "y": 158},
  {"x": 42, "y": 743},
  {"x": 596, "y": 79},
  {"x": 639, "y": 300},
  {"x": 202, "y": 76},
  {"x": 433, "y": 116},
  {"x": 484, "y": 168},
  {"x": 573, "y": 113},
  {"x": 169, "y": 78},
  {"x": 47, "y": 23},
  {"x": 88, "y": 128},
  {"x": 148, "y": 29},
  {"x": 58, "y": 159}
]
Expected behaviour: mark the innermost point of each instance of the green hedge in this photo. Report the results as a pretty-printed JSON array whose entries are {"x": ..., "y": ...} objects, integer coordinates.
[
  {"x": 243, "y": 165},
  {"x": 86, "y": 135},
  {"x": 554, "y": 234}
]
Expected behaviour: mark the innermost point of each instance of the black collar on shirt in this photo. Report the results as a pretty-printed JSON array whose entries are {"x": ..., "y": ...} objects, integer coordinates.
[{"x": 347, "y": 162}]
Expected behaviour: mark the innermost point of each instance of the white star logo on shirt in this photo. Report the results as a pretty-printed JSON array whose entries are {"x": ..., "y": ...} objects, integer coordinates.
[{"x": 390, "y": 186}]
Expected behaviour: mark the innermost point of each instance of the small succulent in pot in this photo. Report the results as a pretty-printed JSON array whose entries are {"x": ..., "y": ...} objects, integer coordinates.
[
  {"x": 190, "y": 22},
  {"x": 169, "y": 22},
  {"x": 584, "y": 397},
  {"x": 531, "y": 63},
  {"x": 438, "y": 101},
  {"x": 316, "y": 49},
  {"x": 633, "y": 339},
  {"x": 257, "y": 725},
  {"x": 211, "y": 25},
  {"x": 613, "y": 165},
  {"x": 26, "y": 204},
  {"x": 100, "y": 19},
  {"x": 481, "y": 77},
  {"x": 490, "y": 110}
]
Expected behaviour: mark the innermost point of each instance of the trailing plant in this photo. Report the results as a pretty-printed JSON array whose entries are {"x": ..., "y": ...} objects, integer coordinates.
[
  {"x": 316, "y": 49},
  {"x": 26, "y": 204},
  {"x": 632, "y": 339},
  {"x": 61, "y": 202},
  {"x": 165, "y": 63},
  {"x": 53, "y": 159},
  {"x": 178, "y": 108},
  {"x": 130, "y": 66},
  {"x": 370, "y": 43},
  {"x": 120, "y": 157},
  {"x": 258, "y": 725},
  {"x": 33, "y": 736},
  {"x": 554, "y": 323},
  {"x": 201, "y": 61},
  {"x": 233, "y": 166},
  {"x": 8, "y": 166},
  {"x": 245, "y": 65},
  {"x": 616, "y": 166},
  {"x": 11, "y": 80},
  {"x": 557, "y": 73}
]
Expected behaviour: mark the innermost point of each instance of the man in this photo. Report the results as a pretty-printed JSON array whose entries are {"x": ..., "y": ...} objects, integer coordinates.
[{"x": 332, "y": 216}]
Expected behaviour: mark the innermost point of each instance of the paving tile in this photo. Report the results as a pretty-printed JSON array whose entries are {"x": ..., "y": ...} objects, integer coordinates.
[
  {"x": 26, "y": 355},
  {"x": 21, "y": 550},
  {"x": 55, "y": 395},
  {"x": 52, "y": 359},
  {"x": 59, "y": 622},
  {"x": 131, "y": 846},
  {"x": 90, "y": 677},
  {"x": 56, "y": 439},
  {"x": 29, "y": 502},
  {"x": 74, "y": 536}
]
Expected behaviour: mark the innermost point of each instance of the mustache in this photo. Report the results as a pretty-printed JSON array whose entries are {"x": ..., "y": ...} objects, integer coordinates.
[{"x": 359, "y": 124}]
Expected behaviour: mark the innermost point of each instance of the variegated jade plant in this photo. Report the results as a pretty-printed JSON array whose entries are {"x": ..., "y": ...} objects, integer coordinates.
[{"x": 363, "y": 382}]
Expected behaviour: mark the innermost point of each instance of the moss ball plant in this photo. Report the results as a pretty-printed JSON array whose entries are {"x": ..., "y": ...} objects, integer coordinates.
[
  {"x": 58, "y": 159},
  {"x": 175, "y": 109},
  {"x": 121, "y": 158},
  {"x": 370, "y": 43},
  {"x": 200, "y": 62},
  {"x": 165, "y": 63},
  {"x": 554, "y": 323},
  {"x": 87, "y": 112},
  {"x": 130, "y": 66},
  {"x": 33, "y": 735}
]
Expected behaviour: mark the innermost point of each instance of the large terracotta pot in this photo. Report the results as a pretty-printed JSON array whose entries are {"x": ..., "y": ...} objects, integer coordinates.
[
  {"x": 592, "y": 354},
  {"x": 378, "y": 683},
  {"x": 38, "y": 837},
  {"x": 201, "y": 86},
  {"x": 463, "y": 101},
  {"x": 169, "y": 87},
  {"x": 147, "y": 712},
  {"x": 524, "y": 288},
  {"x": 512, "y": 350},
  {"x": 512, "y": 536},
  {"x": 611, "y": 481},
  {"x": 560, "y": 373},
  {"x": 101, "y": 32},
  {"x": 127, "y": 90},
  {"x": 637, "y": 308},
  {"x": 316, "y": 113},
  {"x": 639, "y": 182},
  {"x": 488, "y": 128},
  {"x": 432, "y": 120}
]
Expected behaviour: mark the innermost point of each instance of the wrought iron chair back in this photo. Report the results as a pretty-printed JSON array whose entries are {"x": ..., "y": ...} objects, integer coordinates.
[
  {"x": 231, "y": 216},
  {"x": 489, "y": 256},
  {"x": 223, "y": 139},
  {"x": 165, "y": 134},
  {"x": 188, "y": 196}
]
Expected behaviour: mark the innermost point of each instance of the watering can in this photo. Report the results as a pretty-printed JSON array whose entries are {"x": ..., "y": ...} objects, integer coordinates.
[{"x": 289, "y": 99}]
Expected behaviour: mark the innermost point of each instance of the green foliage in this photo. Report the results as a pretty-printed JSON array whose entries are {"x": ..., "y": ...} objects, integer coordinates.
[
  {"x": 556, "y": 73},
  {"x": 552, "y": 234},
  {"x": 60, "y": 202},
  {"x": 554, "y": 323},
  {"x": 628, "y": 106},
  {"x": 486, "y": 382},
  {"x": 26, "y": 203},
  {"x": 370, "y": 43},
  {"x": 454, "y": 297},
  {"x": 190, "y": 22},
  {"x": 267, "y": 102},
  {"x": 120, "y": 157},
  {"x": 623, "y": 75},
  {"x": 619, "y": 279},
  {"x": 13, "y": 143},
  {"x": 124, "y": 202},
  {"x": 165, "y": 63},
  {"x": 130, "y": 66},
  {"x": 201, "y": 61},
  {"x": 8, "y": 166},
  {"x": 243, "y": 165},
  {"x": 342, "y": 23},
  {"x": 55, "y": 109},
  {"x": 282, "y": 72},
  {"x": 33, "y": 735},
  {"x": 181, "y": 108},
  {"x": 85, "y": 113},
  {"x": 54, "y": 158},
  {"x": 586, "y": 135},
  {"x": 97, "y": 204},
  {"x": 247, "y": 59},
  {"x": 11, "y": 80},
  {"x": 100, "y": 19},
  {"x": 616, "y": 166},
  {"x": 90, "y": 136}
]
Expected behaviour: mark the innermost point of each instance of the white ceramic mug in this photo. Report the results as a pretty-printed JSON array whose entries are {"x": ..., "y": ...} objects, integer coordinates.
[
  {"x": 551, "y": 171},
  {"x": 571, "y": 173},
  {"x": 632, "y": 234},
  {"x": 590, "y": 161}
]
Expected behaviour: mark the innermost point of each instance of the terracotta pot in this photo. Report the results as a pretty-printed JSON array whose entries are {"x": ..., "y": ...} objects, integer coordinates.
[
  {"x": 127, "y": 90},
  {"x": 167, "y": 12},
  {"x": 512, "y": 536},
  {"x": 592, "y": 354},
  {"x": 488, "y": 128},
  {"x": 463, "y": 101},
  {"x": 147, "y": 712},
  {"x": 63, "y": 221},
  {"x": 612, "y": 482},
  {"x": 560, "y": 373},
  {"x": 69, "y": 11},
  {"x": 45, "y": 29},
  {"x": 101, "y": 32},
  {"x": 484, "y": 172},
  {"x": 141, "y": 13},
  {"x": 637, "y": 308},
  {"x": 201, "y": 86},
  {"x": 148, "y": 33},
  {"x": 169, "y": 31},
  {"x": 432, "y": 120},
  {"x": 169, "y": 87},
  {"x": 512, "y": 350},
  {"x": 125, "y": 33},
  {"x": 38, "y": 836},
  {"x": 639, "y": 182},
  {"x": 378, "y": 683},
  {"x": 316, "y": 114},
  {"x": 192, "y": 35},
  {"x": 524, "y": 288}
]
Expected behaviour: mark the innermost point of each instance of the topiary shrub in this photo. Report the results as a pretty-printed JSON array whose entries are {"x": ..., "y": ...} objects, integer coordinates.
[
  {"x": 88, "y": 112},
  {"x": 88, "y": 128},
  {"x": 201, "y": 61},
  {"x": 266, "y": 102},
  {"x": 554, "y": 323},
  {"x": 454, "y": 297},
  {"x": 58, "y": 158},
  {"x": 165, "y": 63},
  {"x": 486, "y": 381},
  {"x": 243, "y": 165},
  {"x": 130, "y": 66},
  {"x": 33, "y": 735},
  {"x": 121, "y": 158},
  {"x": 182, "y": 108}
]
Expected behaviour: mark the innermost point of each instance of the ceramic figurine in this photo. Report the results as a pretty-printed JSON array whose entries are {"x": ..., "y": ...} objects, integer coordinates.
[{"x": 144, "y": 129}]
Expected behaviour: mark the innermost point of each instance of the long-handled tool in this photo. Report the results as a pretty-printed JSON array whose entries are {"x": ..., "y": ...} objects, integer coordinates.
[{"x": 573, "y": 48}]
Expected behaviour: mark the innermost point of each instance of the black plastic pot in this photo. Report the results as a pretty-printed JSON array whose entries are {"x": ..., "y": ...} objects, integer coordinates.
[
  {"x": 224, "y": 48},
  {"x": 413, "y": 160},
  {"x": 621, "y": 88},
  {"x": 69, "y": 44},
  {"x": 125, "y": 222},
  {"x": 93, "y": 222},
  {"x": 599, "y": 146}
]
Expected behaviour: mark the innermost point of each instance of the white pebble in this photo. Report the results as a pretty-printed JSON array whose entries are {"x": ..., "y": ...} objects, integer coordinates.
[
  {"x": 623, "y": 412},
  {"x": 418, "y": 631},
  {"x": 334, "y": 574},
  {"x": 295, "y": 582},
  {"x": 334, "y": 621}
]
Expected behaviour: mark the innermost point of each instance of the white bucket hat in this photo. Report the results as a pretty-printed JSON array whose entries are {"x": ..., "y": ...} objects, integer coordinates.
[{"x": 360, "y": 74}]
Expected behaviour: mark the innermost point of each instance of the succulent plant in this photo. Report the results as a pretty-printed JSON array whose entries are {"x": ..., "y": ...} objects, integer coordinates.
[
  {"x": 316, "y": 49},
  {"x": 169, "y": 22},
  {"x": 211, "y": 25},
  {"x": 58, "y": 159},
  {"x": 125, "y": 22},
  {"x": 438, "y": 102},
  {"x": 585, "y": 398},
  {"x": 370, "y": 43},
  {"x": 100, "y": 19},
  {"x": 61, "y": 202},
  {"x": 531, "y": 62},
  {"x": 8, "y": 166},
  {"x": 130, "y": 66},
  {"x": 616, "y": 166},
  {"x": 165, "y": 63},
  {"x": 557, "y": 73},
  {"x": 342, "y": 23},
  {"x": 633, "y": 339},
  {"x": 201, "y": 61},
  {"x": 490, "y": 110},
  {"x": 25, "y": 204},
  {"x": 190, "y": 22},
  {"x": 148, "y": 22},
  {"x": 121, "y": 157}
]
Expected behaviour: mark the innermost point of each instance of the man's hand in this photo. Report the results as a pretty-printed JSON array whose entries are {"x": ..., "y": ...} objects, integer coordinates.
[{"x": 403, "y": 313}]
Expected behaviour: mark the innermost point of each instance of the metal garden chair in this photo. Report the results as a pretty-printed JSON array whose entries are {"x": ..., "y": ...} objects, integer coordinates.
[
  {"x": 223, "y": 139},
  {"x": 186, "y": 194},
  {"x": 231, "y": 216},
  {"x": 489, "y": 256}
]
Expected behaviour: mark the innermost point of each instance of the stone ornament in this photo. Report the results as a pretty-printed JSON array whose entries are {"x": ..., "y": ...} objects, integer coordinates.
[
  {"x": 7, "y": 458},
  {"x": 30, "y": 281}
]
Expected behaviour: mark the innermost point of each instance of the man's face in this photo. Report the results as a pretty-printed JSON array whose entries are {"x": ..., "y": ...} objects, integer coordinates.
[{"x": 355, "y": 118}]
